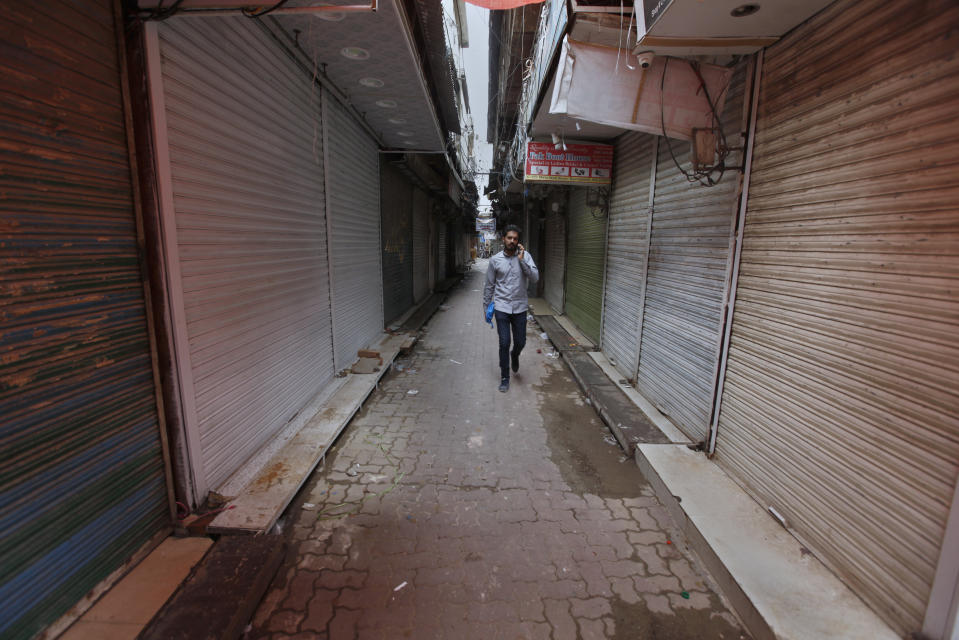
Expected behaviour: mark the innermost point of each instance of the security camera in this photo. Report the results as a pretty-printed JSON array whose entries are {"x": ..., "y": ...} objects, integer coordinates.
[{"x": 645, "y": 59}]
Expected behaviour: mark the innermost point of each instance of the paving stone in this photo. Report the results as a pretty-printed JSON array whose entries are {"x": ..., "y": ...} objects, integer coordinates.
[
  {"x": 591, "y": 630},
  {"x": 503, "y": 524}
]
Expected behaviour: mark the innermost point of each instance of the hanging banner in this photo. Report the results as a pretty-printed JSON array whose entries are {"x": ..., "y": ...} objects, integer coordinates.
[
  {"x": 600, "y": 84},
  {"x": 588, "y": 164},
  {"x": 486, "y": 224}
]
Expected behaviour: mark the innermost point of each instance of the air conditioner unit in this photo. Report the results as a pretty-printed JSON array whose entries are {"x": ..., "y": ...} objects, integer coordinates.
[{"x": 694, "y": 27}]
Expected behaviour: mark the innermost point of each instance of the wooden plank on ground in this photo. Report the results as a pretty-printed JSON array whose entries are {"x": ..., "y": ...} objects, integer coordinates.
[{"x": 220, "y": 597}]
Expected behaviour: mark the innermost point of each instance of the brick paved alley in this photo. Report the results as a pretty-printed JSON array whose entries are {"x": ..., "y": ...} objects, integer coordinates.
[{"x": 460, "y": 512}]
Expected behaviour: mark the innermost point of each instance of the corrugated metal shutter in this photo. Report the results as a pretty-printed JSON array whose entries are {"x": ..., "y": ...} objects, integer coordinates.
[
  {"x": 626, "y": 249},
  {"x": 421, "y": 245},
  {"x": 689, "y": 244},
  {"x": 554, "y": 264},
  {"x": 82, "y": 476},
  {"x": 247, "y": 164},
  {"x": 353, "y": 181},
  {"x": 397, "y": 211},
  {"x": 443, "y": 257},
  {"x": 841, "y": 398},
  {"x": 585, "y": 262}
]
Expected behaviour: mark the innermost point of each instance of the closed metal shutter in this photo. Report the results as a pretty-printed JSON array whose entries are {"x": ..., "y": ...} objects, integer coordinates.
[
  {"x": 421, "y": 245},
  {"x": 692, "y": 227},
  {"x": 841, "y": 398},
  {"x": 397, "y": 234},
  {"x": 443, "y": 258},
  {"x": 353, "y": 182},
  {"x": 585, "y": 263},
  {"x": 626, "y": 250},
  {"x": 82, "y": 483},
  {"x": 554, "y": 264},
  {"x": 246, "y": 159}
]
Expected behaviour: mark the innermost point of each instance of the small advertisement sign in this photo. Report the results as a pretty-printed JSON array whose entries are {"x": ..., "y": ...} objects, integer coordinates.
[
  {"x": 488, "y": 224},
  {"x": 587, "y": 164}
]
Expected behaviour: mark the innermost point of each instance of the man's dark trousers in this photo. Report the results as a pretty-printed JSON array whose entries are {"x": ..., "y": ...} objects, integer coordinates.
[{"x": 504, "y": 323}]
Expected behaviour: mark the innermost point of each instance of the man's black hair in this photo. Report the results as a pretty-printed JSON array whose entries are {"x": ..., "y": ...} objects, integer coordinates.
[{"x": 511, "y": 227}]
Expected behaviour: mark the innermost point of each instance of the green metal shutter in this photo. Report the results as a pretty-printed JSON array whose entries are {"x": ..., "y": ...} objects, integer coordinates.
[
  {"x": 585, "y": 262},
  {"x": 82, "y": 484},
  {"x": 553, "y": 269}
]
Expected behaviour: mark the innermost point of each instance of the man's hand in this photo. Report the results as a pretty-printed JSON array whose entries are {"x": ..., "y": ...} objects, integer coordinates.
[{"x": 522, "y": 251}]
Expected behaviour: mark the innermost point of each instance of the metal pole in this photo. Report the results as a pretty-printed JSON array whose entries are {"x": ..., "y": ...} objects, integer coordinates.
[{"x": 731, "y": 302}]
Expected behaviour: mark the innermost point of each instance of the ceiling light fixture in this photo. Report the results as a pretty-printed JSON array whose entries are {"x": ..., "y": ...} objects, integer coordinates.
[
  {"x": 405, "y": 134},
  {"x": 744, "y": 10},
  {"x": 372, "y": 83},
  {"x": 397, "y": 120},
  {"x": 386, "y": 104},
  {"x": 354, "y": 53}
]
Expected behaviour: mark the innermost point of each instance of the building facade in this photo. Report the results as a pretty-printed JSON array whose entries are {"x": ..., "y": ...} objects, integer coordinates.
[{"x": 798, "y": 318}]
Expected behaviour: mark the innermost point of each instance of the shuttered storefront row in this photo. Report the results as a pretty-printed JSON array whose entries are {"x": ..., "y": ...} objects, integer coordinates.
[
  {"x": 82, "y": 483},
  {"x": 626, "y": 250},
  {"x": 554, "y": 262},
  {"x": 841, "y": 399},
  {"x": 442, "y": 249},
  {"x": 250, "y": 235},
  {"x": 585, "y": 263},
  {"x": 421, "y": 245},
  {"x": 397, "y": 238},
  {"x": 692, "y": 226},
  {"x": 353, "y": 182}
]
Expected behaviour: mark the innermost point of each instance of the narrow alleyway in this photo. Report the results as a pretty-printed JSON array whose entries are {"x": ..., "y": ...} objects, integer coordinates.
[{"x": 450, "y": 510}]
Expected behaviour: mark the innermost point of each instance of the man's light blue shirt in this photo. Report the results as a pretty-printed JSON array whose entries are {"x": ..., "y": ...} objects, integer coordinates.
[{"x": 506, "y": 280}]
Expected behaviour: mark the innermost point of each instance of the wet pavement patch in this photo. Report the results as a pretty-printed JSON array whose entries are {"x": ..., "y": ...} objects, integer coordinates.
[
  {"x": 634, "y": 621},
  {"x": 578, "y": 445}
]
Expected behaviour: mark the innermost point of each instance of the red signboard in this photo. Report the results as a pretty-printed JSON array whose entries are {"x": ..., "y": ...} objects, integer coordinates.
[{"x": 576, "y": 164}]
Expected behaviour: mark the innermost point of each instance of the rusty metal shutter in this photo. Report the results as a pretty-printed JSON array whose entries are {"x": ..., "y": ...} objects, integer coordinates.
[
  {"x": 585, "y": 262},
  {"x": 421, "y": 245},
  {"x": 692, "y": 227},
  {"x": 82, "y": 483},
  {"x": 353, "y": 185},
  {"x": 841, "y": 398},
  {"x": 626, "y": 250},
  {"x": 397, "y": 212},
  {"x": 554, "y": 263},
  {"x": 246, "y": 157}
]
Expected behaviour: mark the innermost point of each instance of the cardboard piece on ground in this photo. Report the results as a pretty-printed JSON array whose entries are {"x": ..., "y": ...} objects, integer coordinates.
[
  {"x": 130, "y": 604},
  {"x": 367, "y": 365}
]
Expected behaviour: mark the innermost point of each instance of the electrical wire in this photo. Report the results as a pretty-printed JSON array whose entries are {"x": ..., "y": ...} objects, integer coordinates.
[
  {"x": 262, "y": 12},
  {"x": 702, "y": 176},
  {"x": 160, "y": 14}
]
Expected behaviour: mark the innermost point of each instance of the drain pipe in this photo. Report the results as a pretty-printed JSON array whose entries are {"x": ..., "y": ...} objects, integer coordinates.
[{"x": 740, "y": 225}]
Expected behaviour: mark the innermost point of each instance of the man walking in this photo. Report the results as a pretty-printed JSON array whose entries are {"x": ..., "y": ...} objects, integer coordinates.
[{"x": 507, "y": 276}]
